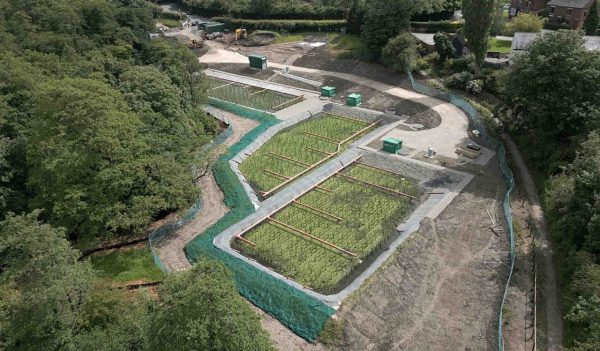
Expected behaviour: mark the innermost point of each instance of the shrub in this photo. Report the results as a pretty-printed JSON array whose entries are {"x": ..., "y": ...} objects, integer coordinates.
[
  {"x": 443, "y": 46},
  {"x": 283, "y": 25},
  {"x": 458, "y": 80},
  {"x": 474, "y": 86},
  {"x": 436, "y": 26},
  {"x": 524, "y": 22},
  {"x": 459, "y": 65},
  {"x": 400, "y": 53},
  {"x": 423, "y": 64}
]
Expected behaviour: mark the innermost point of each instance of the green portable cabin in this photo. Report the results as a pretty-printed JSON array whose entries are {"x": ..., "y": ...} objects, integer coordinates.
[
  {"x": 258, "y": 61},
  {"x": 392, "y": 145},
  {"x": 213, "y": 27},
  {"x": 202, "y": 25},
  {"x": 327, "y": 91},
  {"x": 353, "y": 100}
]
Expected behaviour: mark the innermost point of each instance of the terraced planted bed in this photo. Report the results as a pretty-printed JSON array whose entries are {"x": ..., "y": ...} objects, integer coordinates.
[
  {"x": 294, "y": 151},
  {"x": 255, "y": 97},
  {"x": 322, "y": 237}
]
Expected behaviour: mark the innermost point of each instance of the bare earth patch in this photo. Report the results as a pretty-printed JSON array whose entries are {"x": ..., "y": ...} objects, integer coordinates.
[{"x": 442, "y": 289}]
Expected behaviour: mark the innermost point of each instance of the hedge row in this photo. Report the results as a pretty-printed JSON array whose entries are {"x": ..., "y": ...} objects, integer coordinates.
[
  {"x": 283, "y": 25},
  {"x": 436, "y": 26}
]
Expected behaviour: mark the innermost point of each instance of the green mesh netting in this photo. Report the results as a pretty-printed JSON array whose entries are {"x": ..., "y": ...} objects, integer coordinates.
[
  {"x": 159, "y": 234},
  {"x": 300, "y": 312},
  {"x": 507, "y": 174}
]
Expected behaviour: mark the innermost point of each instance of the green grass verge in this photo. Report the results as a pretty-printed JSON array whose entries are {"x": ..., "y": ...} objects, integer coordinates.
[
  {"x": 368, "y": 218},
  {"x": 262, "y": 168},
  {"x": 296, "y": 37},
  {"x": 348, "y": 46},
  {"x": 171, "y": 23},
  {"x": 127, "y": 265},
  {"x": 502, "y": 46}
]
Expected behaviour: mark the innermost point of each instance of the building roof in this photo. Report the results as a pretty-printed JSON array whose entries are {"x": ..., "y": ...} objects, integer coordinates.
[
  {"x": 426, "y": 38},
  {"x": 521, "y": 41},
  {"x": 576, "y": 4}
]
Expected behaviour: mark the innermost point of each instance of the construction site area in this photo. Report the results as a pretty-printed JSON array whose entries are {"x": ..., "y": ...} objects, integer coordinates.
[{"x": 351, "y": 200}]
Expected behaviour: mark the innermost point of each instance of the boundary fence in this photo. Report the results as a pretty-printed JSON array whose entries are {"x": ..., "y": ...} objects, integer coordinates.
[
  {"x": 507, "y": 174},
  {"x": 161, "y": 233}
]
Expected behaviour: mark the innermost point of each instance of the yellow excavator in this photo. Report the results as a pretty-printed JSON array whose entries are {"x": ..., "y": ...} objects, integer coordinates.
[
  {"x": 195, "y": 43},
  {"x": 240, "y": 33}
]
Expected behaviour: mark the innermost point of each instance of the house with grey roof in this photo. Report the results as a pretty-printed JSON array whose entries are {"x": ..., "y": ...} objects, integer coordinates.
[
  {"x": 569, "y": 12},
  {"x": 521, "y": 42}
]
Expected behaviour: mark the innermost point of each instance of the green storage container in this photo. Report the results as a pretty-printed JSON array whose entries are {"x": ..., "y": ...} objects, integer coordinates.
[
  {"x": 258, "y": 61},
  {"x": 353, "y": 100},
  {"x": 392, "y": 145},
  {"x": 214, "y": 27},
  {"x": 328, "y": 91}
]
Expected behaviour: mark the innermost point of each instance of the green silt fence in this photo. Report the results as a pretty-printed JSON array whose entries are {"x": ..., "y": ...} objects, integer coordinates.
[{"x": 300, "y": 312}]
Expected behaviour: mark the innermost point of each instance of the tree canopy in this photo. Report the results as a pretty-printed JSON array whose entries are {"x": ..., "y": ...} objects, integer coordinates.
[
  {"x": 99, "y": 125},
  {"x": 478, "y": 15},
  {"x": 554, "y": 86},
  {"x": 200, "y": 309},
  {"x": 385, "y": 19},
  {"x": 590, "y": 25}
]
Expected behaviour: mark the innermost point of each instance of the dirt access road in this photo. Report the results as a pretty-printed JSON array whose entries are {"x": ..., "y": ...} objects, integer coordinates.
[{"x": 171, "y": 249}]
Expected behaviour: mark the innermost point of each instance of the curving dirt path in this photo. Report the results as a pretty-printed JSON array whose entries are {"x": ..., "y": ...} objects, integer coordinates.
[{"x": 171, "y": 249}]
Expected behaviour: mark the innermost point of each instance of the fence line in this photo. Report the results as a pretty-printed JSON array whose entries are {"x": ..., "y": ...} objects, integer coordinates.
[{"x": 507, "y": 174}]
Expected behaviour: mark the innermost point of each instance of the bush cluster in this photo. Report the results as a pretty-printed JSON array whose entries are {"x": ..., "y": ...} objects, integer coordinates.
[
  {"x": 283, "y": 25},
  {"x": 436, "y": 26}
]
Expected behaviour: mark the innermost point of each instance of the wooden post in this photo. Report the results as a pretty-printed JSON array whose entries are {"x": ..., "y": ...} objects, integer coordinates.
[
  {"x": 377, "y": 186},
  {"x": 313, "y": 237},
  {"x": 289, "y": 159},
  {"x": 317, "y": 210},
  {"x": 322, "y": 137}
]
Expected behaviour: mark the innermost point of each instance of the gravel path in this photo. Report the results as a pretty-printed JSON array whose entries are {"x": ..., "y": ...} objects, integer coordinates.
[{"x": 171, "y": 249}]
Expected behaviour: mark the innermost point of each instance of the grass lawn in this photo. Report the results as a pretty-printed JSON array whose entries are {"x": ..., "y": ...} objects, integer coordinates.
[
  {"x": 171, "y": 23},
  {"x": 296, "y": 37},
  {"x": 127, "y": 265},
  {"x": 348, "y": 46},
  {"x": 292, "y": 151},
  {"x": 502, "y": 46},
  {"x": 366, "y": 218}
]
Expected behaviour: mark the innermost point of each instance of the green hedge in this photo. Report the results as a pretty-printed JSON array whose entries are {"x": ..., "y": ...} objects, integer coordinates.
[
  {"x": 297, "y": 25},
  {"x": 436, "y": 26},
  {"x": 556, "y": 26}
]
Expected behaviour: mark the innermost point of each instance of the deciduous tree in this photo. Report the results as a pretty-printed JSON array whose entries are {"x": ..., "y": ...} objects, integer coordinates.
[
  {"x": 201, "y": 310},
  {"x": 385, "y": 19},
  {"x": 478, "y": 15},
  {"x": 590, "y": 25}
]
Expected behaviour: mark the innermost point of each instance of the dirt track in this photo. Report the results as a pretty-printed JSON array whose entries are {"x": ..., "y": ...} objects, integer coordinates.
[
  {"x": 549, "y": 285},
  {"x": 171, "y": 249}
]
